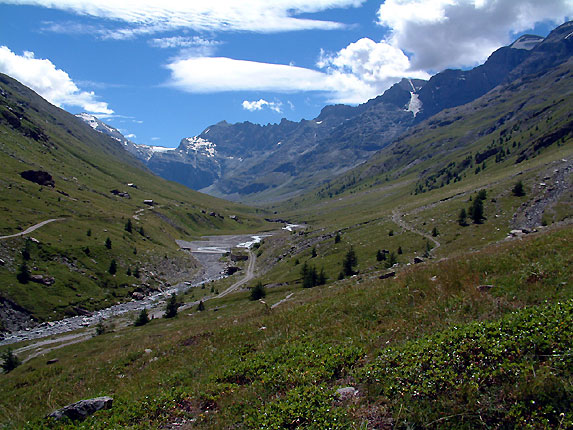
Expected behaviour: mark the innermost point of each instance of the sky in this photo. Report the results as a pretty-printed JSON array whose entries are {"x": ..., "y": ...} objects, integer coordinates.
[{"x": 160, "y": 71}]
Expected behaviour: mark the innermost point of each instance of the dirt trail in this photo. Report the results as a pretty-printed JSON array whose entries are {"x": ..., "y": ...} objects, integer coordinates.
[
  {"x": 250, "y": 274},
  {"x": 31, "y": 229},
  {"x": 397, "y": 218}
]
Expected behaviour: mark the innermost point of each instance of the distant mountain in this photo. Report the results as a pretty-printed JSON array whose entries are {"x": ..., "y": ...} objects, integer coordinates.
[{"x": 256, "y": 163}]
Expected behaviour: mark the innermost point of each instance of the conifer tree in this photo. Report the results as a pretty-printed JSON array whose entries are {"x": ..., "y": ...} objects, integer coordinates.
[
  {"x": 10, "y": 361},
  {"x": 142, "y": 319},
  {"x": 258, "y": 292},
  {"x": 171, "y": 308},
  {"x": 349, "y": 262}
]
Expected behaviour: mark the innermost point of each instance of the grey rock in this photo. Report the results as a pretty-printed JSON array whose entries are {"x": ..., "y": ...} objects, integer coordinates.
[
  {"x": 346, "y": 393},
  {"x": 82, "y": 409}
]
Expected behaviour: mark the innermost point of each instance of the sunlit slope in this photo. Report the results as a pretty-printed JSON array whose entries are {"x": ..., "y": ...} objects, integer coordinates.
[{"x": 91, "y": 173}]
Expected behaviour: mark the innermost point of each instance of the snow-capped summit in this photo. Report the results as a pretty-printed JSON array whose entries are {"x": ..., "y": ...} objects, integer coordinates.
[
  {"x": 198, "y": 145},
  {"x": 527, "y": 42}
]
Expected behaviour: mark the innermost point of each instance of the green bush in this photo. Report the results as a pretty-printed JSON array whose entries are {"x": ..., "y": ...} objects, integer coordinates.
[
  {"x": 142, "y": 319},
  {"x": 9, "y": 361},
  {"x": 258, "y": 292}
]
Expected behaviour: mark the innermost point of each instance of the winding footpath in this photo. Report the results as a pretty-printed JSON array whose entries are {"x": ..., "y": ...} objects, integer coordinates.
[
  {"x": 31, "y": 229},
  {"x": 397, "y": 218}
]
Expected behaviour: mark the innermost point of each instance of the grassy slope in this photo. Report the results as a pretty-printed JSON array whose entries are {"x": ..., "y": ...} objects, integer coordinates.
[
  {"x": 239, "y": 365},
  {"x": 86, "y": 166}
]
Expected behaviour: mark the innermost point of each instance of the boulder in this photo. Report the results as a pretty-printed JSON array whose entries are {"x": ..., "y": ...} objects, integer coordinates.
[
  {"x": 82, "y": 409},
  {"x": 137, "y": 295},
  {"x": 39, "y": 177},
  {"x": 388, "y": 275},
  {"x": 346, "y": 393},
  {"x": 41, "y": 279},
  {"x": 418, "y": 260}
]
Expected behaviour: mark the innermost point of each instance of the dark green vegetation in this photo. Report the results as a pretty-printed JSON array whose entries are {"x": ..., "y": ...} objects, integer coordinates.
[
  {"x": 9, "y": 361},
  {"x": 101, "y": 220},
  {"x": 443, "y": 319},
  {"x": 258, "y": 292}
]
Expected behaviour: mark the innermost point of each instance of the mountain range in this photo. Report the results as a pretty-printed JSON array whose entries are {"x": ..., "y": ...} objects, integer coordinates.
[{"x": 265, "y": 163}]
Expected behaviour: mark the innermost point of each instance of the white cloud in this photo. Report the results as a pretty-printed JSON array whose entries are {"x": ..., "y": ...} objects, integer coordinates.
[
  {"x": 378, "y": 65},
  {"x": 53, "y": 84},
  {"x": 219, "y": 74},
  {"x": 130, "y": 136},
  {"x": 147, "y": 16},
  {"x": 182, "y": 42},
  {"x": 260, "y": 104},
  {"x": 457, "y": 33}
]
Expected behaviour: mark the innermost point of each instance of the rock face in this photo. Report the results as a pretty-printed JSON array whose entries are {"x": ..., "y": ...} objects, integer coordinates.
[
  {"x": 82, "y": 409},
  {"x": 39, "y": 177}
]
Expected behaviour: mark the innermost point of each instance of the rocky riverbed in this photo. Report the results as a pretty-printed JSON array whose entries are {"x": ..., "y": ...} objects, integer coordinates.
[{"x": 208, "y": 252}]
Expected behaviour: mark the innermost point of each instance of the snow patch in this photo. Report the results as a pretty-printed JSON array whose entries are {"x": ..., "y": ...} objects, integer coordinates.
[
  {"x": 91, "y": 120},
  {"x": 200, "y": 146},
  {"x": 318, "y": 122},
  {"x": 527, "y": 42},
  {"x": 159, "y": 148},
  {"x": 414, "y": 105}
]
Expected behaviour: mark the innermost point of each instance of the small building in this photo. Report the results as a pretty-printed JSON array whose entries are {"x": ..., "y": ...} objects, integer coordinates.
[{"x": 149, "y": 202}]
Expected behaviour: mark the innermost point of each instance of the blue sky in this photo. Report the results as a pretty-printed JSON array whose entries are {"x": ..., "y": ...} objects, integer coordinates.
[{"x": 162, "y": 71}]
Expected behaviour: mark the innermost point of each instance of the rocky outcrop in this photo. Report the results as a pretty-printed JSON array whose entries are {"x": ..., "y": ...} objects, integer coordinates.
[
  {"x": 39, "y": 177},
  {"x": 82, "y": 409}
]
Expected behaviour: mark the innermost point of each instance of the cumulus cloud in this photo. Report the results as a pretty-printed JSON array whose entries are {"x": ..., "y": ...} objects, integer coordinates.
[
  {"x": 53, "y": 84},
  {"x": 255, "y": 105},
  {"x": 457, "y": 33},
  {"x": 221, "y": 15},
  {"x": 377, "y": 64},
  {"x": 130, "y": 136}
]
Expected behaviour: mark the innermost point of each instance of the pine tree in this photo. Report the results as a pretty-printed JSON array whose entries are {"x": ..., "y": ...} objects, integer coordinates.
[
  {"x": 23, "y": 275},
  {"x": 379, "y": 255},
  {"x": 321, "y": 280},
  {"x": 171, "y": 308},
  {"x": 142, "y": 319},
  {"x": 392, "y": 259},
  {"x": 463, "y": 218},
  {"x": 10, "y": 361},
  {"x": 258, "y": 292},
  {"x": 26, "y": 251},
  {"x": 201, "y": 306},
  {"x": 313, "y": 253},
  {"x": 476, "y": 211},
  {"x": 435, "y": 232},
  {"x": 112, "y": 267},
  {"x": 400, "y": 250},
  {"x": 349, "y": 262},
  {"x": 518, "y": 190},
  {"x": 108, "y": 243},
  {"x": 128, "y": 226},
  {"x": 337, "y": 238}
]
